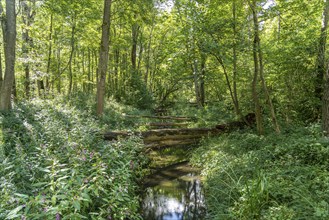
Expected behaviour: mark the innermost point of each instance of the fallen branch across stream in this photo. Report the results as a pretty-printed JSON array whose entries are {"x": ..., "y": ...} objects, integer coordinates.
[
  {"x": 166, "y": 124},
  {"x": 176, "y": 118},
  {"x": 180, "y": 136}
]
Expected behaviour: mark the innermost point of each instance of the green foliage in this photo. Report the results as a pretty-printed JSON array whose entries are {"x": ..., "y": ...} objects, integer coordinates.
[
  {"x": 274, "y": 177},
  {"x": 208, "y": 116},
  {"x": 138, "y": 95},
  {"x": 55, "y": 165}
]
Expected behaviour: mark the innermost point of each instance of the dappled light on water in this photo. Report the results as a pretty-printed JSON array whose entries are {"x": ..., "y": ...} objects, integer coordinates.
[{"x": 174, "y": 199}]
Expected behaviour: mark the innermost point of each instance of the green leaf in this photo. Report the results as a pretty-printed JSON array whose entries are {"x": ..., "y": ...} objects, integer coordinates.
[
  {"x": 22, "y": 195},
  {"x": 76, "y": 205},
  {"x": 86, "y": 196},
  {"x": 39, "y": 184},
  {"x": 14, "y": 213},
  {"x": 45, "y": 170},
  {"x": 53, "y": 200},
  {"x": 61, "y": 178}
]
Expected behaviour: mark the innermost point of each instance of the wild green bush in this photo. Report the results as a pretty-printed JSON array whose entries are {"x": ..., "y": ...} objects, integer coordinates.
[
  {"x": 266, "y": 177},
  {"x": 114, "y": 116},
  {"x": 53, "y": 165}
]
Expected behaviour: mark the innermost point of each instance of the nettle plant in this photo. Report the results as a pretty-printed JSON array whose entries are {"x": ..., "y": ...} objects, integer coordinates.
[
  {"x": 266, "y": 177},
  {"x": 54, "y": 166}
]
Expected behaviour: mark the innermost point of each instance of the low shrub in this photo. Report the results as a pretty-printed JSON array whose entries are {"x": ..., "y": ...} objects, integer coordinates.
[
  {"x": 266, "y": 177},
  {"x": 53, "y": 165}
]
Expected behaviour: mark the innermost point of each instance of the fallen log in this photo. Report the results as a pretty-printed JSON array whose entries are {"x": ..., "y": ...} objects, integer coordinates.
[
  {"x": 163, "y": 134},
  {"x": 172, "y": 142},
  {"x": 180, "y": 136},
  {"x": 177, "y": 118},
  {"x": 166, "y": 124}
]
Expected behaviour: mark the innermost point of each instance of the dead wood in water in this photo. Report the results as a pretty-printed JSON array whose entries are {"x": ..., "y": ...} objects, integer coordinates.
[
  {"x": 176, "y": 118},
  {"x": 166, "y": 124},
  {"x": 180, "y": 136}
]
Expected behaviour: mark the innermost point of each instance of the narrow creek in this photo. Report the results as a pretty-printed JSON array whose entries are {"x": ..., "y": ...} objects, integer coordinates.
[{"x": 174, "y": 189}]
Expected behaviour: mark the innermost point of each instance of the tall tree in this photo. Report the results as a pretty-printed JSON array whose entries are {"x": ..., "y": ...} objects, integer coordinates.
[
  {"x": 321, "y": 61},
  {"x": 0, "y": 68},
  {"x": 321, "y": 57},
  {"x": 259, "y": 70},
  {"x": 28, "y": 14},
  {"x": 258, "y": 113},
  {"x": 8, "y": 23},
  {"x": 235, "y": 60},
  {"x": 50, "y": 45},
  {"x": 103, "y": 57}
]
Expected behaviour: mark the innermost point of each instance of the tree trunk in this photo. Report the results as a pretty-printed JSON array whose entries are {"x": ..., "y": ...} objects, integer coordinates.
[
  {"x": 89, "y": 72},
  {"x": 27, "y": 17},
  {"x": 14, "y": 91},
  {"x": 148, "y": 58},
  {"x": 84, "y": 84},
  {"x": 103, "y": 57},
  {"x": 325, "y": 98},
  {"x": 196, "y": 82},
  {"x": 49, "y": 51},
  {"x": 9, "y": 39},
  {"x": 321, "y": 61},
  {"x": 261, "y": 69},
  {"x": 1, "y": 78},
  {"x": 235, "y": 59},
  {"x": 59, "y": 60},
  {"x": 116, "y": 70},
  {"x": 325, "y": 106},
  {"x": 134, "y": 34},
  {"x": 140, "y": 54},
  {"x": 96, "y": 65},
  {"x": 258, "y": 113},
  {"x": 71, "y": 57},
  {"x": 221, "y": 62},
  {"x": 202, "y": 78}
]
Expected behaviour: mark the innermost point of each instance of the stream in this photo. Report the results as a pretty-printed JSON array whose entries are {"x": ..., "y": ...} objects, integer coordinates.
[{"x": 174, "y": 191}]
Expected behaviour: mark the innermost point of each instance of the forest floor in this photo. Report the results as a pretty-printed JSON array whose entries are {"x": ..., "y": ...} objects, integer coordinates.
[
  {"x": 281, "y": 177},
  {"x": 54, "y": 165}
]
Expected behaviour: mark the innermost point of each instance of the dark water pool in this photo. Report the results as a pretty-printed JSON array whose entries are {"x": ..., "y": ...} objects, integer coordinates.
[{"x": 174, "y": 193}]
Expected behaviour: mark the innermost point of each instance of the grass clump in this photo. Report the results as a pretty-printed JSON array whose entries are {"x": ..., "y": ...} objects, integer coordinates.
[
  {"x": 266, "y": 177},
  {"x": 53, "y": 165}
]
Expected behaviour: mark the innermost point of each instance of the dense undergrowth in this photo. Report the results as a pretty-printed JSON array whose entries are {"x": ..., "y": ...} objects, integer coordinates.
[
  {"x": 53, "y": 165},
  {"x": 277, "y": 177}
]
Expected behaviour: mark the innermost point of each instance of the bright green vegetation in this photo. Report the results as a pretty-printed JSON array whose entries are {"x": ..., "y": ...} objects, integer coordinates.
[
  {"x": 53, "y": 165},
  {"x": 277, "y": 177},
  {"x": 214, "y": 60}
]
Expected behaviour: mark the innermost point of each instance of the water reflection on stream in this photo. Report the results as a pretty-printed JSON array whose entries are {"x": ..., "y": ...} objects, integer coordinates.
[{"x": 174, "y": 193}]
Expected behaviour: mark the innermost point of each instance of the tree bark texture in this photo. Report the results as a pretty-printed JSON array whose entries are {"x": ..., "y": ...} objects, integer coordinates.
[
  {"x": 258, "y": 113},
  {"x": 235, "y": 60},
  {"x": 202, "y": 79},
  {"x": 50, "y": 40},
  {"x": 1, "y": 69},
  {"x": 103, "y": 57},
  {"x": 321, "y": 60},
  {"x": 9, "y": 39},
  {"x": 134, "y": 34},
  {"x": 325, "y": 105},
  {"x": 325, "y": 97},
  {"x": 28, "y": 14},
  {"x": 71, "y": 56}
]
